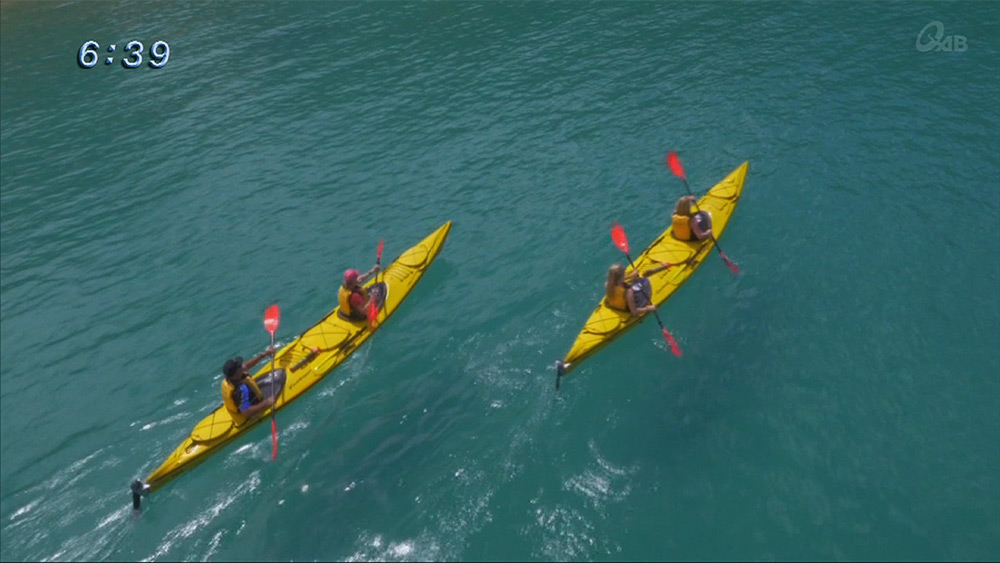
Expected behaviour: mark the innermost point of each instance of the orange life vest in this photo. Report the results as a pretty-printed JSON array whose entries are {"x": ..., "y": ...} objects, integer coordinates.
[
  {"x": 682, "y": 227},
  {"x": 617, "y": 298}
]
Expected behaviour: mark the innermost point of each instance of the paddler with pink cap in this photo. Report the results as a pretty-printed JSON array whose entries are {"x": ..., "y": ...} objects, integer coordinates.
[{"x": 353, "y": 298}]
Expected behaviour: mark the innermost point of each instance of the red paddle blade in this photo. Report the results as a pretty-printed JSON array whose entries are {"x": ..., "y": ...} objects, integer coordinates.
[
  {"x": 271, "y": 318},
  {"x": 732, "y": 265},
  {"x": 673, "y": 343},
  {"x": 381, "y": 245},
  {"x": 618, "y": 236},
  {"x": 274, "y": 439},
  {"x": 675, "y": 164},
  {"x": 372, "y": 314}
]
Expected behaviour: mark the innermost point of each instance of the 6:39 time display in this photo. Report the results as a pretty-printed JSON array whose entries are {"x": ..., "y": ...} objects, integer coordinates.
[{"x": 159, "y": 53}]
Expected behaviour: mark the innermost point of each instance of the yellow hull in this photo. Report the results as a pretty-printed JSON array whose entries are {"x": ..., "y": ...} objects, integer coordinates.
[
  {"x": 605, "y": 324},
  {"x": 336, "y": 339}
]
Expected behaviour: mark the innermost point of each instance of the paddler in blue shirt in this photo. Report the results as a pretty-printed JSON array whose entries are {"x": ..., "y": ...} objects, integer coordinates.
[{"x": 240, "y": 393}]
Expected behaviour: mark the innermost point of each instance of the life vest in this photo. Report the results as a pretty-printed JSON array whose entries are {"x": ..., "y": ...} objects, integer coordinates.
[
  {"x": 231, "y": 397},
  {"x": 344, "y": 299},
  {"x": 682, "y": 227},
  {"x": 617, "y": 298}
]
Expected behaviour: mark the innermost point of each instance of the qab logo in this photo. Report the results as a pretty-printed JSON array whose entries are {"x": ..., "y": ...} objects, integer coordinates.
[{"x": 932, "y": 38}]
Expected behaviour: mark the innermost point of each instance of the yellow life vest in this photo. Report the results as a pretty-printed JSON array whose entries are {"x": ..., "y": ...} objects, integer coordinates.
[
  {"x": 344, "y": 301},
  {"x": 228, "y": 389},
  {"x": 682, "y": 227},
  {"x": 617, "y": 298}
]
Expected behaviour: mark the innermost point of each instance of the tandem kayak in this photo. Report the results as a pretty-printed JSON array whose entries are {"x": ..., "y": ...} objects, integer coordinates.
[
  {"x": 300, "y": 364},
  {"x": 605, "y": 324}
]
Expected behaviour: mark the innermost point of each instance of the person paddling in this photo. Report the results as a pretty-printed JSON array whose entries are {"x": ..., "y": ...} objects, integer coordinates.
[
  {"x": 690, "y": 226},
  {"x": 352, "y": 298},
  {"x": 240, "y": 393},
  {"x": 627, "y": 293}
]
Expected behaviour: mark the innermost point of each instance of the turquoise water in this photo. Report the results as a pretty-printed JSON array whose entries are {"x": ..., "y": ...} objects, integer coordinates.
[{"x": 838, "y": 400}]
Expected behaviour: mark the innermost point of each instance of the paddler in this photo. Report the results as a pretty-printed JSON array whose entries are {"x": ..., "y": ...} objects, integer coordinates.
[
  {"x": 688, "y": 226},
  {"x": 353, "y": 299},
  {"x": 632, "y": 294},
  {"x": 240, "y": 393}
]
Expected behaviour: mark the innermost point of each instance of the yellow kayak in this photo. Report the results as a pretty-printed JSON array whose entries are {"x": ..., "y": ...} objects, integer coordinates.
[
  {"x": 301, "y": 363},
  {"x": 605, "y": 324}
]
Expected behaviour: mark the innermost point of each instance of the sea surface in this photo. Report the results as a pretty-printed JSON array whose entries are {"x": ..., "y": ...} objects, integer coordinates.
[{"x": 839, "y": 399}]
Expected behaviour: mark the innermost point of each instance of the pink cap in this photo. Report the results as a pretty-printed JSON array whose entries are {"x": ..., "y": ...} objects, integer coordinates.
[{"x": 351, "y": 276}]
